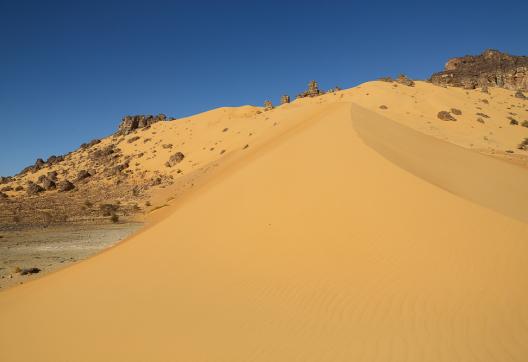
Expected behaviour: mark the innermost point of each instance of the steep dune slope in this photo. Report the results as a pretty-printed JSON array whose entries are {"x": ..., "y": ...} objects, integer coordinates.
[{"x": 311, "y": 247}]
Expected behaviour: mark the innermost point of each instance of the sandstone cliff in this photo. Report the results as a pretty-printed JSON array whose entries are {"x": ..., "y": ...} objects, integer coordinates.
[{"x": 491, "y": 68}]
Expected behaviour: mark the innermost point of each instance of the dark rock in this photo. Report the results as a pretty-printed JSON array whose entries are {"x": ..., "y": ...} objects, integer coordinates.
[
  {"x": 3, "y": 196},
  {"x": 52, "y": 175},
  {"x": 491, "y": 68},
  {"x": 65, "y": 186},
  {"x": 83, "y": 174},
  {"x": 456, "y": 112},
  {"x": 383, "y": 107},
  {"x": 28, "y": 271},
  {"x": 100, "y": 154},
  {"x": 445, "y": 116},
  {"x": 33, "y": 188},
  {"x": 19, "y": 188},
  {"x": 520, "y": 95},
  {"x": 49, "y": 184},
  {"x": 175, "y": 159},
  {"x": 167, "y": 145},
  {"x": 6, "y": 188},
  {"x": 133, "y": 139},
  {"x": 53, "y": 160},
  {"x": 5, "y": 180},
  {"x": 130, "y": 123},
  {"x": 90, "y": 144}
]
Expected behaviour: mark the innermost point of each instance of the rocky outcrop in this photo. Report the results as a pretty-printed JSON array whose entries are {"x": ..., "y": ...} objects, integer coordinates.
[
  {"x": 285, "y": 99},
  {"x": 130, "y": 123},
  {"x": 403, "y": 79},
  {"x": 268, "y": 106},
  {"x": 491, "y": 68},
  {"x": 313, "y": 90}
]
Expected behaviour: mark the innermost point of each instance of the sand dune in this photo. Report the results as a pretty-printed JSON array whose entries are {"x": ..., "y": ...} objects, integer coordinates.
[{"x": 320, "y": 243}]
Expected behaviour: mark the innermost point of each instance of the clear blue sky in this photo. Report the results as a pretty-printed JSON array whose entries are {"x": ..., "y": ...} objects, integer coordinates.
[{"x": 69, "y": 70}]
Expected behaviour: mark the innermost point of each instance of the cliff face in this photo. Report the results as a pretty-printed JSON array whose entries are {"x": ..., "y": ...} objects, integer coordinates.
[{"x": 491, "y": 68}]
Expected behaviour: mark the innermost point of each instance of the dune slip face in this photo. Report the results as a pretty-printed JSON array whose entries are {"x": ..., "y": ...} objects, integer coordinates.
[{"x": 314, "y": 247}]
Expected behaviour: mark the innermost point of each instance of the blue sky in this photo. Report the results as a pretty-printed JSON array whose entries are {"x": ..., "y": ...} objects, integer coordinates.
[{"x": 69, "y": 70}]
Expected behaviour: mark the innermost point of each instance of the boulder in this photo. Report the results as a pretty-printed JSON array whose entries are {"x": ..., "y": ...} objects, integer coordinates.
[
  {"x": 34, "y": 189},
  {"x": 83, "y": 174},
  {"x": 445, "y": 116},
  {"x": 65, "y": 186},
  {"x": 49, "y": 184},
  {"x": 175, "y": 159}
]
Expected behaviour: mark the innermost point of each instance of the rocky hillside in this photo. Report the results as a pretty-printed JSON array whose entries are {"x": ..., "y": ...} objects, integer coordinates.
[
  {"x": 491, "y": 68},
  {"x": 151, "y": 160}
]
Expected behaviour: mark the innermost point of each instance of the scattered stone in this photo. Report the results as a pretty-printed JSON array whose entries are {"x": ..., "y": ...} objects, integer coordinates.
[
  {"x": 383, "y": 107},
  {"x": 482, "y": 115},
  {"x": 445, "y": 116},
  {"x": 175, "y": 159},
  {"x": 480, "y": 120},
  {"x": 225, "y": 130},
  {"x": 133, "y": 139},
  {"x": 285, "y": 99},
  {"x": 456, "y": 112},
  {"x": 167, "y": 145},
  {"x": 65, "y": 186},
  {"x": 520, "y": 95},
  {"x": 246, "y": 146}
]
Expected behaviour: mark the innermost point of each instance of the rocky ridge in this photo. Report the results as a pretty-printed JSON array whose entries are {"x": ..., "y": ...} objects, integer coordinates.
[{"x": 492, "y": 68}]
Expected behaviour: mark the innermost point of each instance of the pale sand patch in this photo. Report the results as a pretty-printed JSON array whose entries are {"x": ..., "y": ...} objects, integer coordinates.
[{"x": 310, "y": 248}]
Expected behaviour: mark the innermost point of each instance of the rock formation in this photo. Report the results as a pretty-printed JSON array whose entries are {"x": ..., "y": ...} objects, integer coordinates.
[
  {"x": 403, "y": 79},
  {"x": 285, "y": 99},
  {"x": 313, "y": 90},
  {"x": 131, "y": 123},
  {"x": 491, "y": 68},
  {"x": 268, "y": 105}
]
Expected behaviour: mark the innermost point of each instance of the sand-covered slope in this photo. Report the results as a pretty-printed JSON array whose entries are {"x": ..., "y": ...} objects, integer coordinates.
[{"x": 316, "y": 244}]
